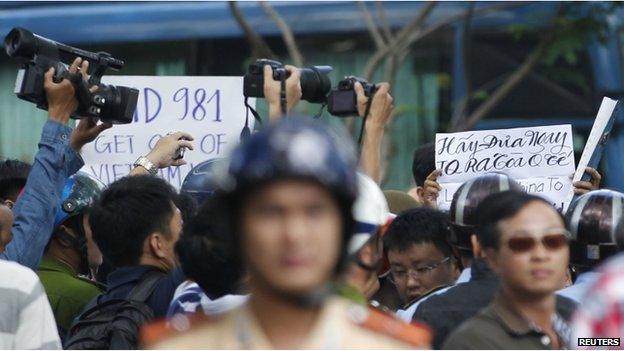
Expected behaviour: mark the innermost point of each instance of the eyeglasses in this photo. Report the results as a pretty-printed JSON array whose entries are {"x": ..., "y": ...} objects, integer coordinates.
[
  {"x": 400, "y": 276},
  {"x": 551, "y": 242}
]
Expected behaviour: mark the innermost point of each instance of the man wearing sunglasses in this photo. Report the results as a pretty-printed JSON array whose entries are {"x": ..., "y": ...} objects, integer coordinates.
[{"x": 526, "y": 244}]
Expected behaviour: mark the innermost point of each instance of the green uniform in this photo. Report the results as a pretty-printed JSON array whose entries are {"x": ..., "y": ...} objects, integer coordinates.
[{"x": 68, "y": 293}]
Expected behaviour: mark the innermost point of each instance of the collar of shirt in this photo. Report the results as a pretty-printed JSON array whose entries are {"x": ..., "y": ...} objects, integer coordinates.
[
  {"x": 587, "y": 277},
  {"x": 513, "y": 321},
  {"x": 325, "y": 334},
  {"x": 124, "y": 275},
  {"x": 464, "y": 276},
  {"x": 54, "y": 265},
  {"x": 480, "y": 270}
]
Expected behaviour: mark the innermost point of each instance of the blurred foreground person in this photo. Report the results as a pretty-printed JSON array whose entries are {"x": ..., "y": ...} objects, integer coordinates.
[
  {"x": 592, "y": 220},
  {"x": 288, "y": 198},
  {"x": 26, "y": 320},
  {"x": 370, "y": 212},
  {"x": 526, "y": 244},
  {"x": 599, "y": 315}
]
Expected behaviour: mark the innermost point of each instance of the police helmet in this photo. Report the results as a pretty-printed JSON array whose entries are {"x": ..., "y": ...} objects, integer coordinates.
[
  {"x": 466, "y": 200},
  {"x": 593, "y": 220}
]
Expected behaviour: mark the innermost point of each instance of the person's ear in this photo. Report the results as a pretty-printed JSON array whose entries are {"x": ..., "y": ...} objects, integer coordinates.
[
  {"x": 62, "y": 240},
  {"x": 157, "y": 245},
  {"x": 365, "y": 253},
  {"x": 420, "y": 191},
  {"x": 477, "y": 250},
  {"x": 8, "y": 203},
  {"x": 491, "y": 257}
]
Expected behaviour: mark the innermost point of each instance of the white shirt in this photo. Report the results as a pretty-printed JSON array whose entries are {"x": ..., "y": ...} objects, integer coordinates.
[
  {"x": 26, "y": 319},
  {"x": 577, "y": 290},
  {"x": 189, "y": 296}
]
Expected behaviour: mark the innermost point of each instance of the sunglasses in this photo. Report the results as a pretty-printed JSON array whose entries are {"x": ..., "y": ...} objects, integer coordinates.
[{"x": 551, "y": 242}]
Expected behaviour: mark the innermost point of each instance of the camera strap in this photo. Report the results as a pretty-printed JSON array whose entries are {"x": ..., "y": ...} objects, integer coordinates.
[
  {"x": 320, "y": 113},
  {"x": 245, "y": 132},
  {"x": 366, "y": 112},
  {"x": 283, "y": 102}
]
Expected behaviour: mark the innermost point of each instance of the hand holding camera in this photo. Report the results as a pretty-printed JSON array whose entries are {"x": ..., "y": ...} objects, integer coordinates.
[
  {"x": 381, "y": 105},
  {"x": 272, "y": 90},
  {"x": 62, "y": 102},
  {"x": 167, "y": 150},
  {"x": 43, "y": 64}
]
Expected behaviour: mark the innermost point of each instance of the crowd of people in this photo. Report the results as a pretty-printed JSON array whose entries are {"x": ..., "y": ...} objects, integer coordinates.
[{"x": 290, "y": 243}]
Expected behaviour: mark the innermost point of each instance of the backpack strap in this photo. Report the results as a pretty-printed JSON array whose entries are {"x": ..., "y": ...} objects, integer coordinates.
[{"x": 146, "y": 286}]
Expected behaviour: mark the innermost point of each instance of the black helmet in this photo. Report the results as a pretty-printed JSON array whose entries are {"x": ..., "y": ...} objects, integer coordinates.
[
  {"x": 292, "y": 149},
  {"x": 201, "y": 182},
  {"x": 593, "y": 219},
  {"x": 466, "y": 200}
]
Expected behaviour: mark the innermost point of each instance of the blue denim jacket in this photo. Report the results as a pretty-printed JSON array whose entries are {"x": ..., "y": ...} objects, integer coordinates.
[{"x": 35, "y": 209}]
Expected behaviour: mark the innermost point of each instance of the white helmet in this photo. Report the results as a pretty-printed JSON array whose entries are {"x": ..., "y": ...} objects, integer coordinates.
[{"x": 370, "y": 212}]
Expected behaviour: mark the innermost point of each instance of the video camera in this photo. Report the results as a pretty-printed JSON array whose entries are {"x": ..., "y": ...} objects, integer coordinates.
[
  {"x": 342, "y": 101},
  {"x": 315, "y": 83},
  {"x": 109, "y": 103}
]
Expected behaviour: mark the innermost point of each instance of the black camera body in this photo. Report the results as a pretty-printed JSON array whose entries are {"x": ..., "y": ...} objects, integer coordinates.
[
  {"x": 109, "y": 103},
  {"x": 315, "y": 83},
  {"x": 342, "y": 101}
]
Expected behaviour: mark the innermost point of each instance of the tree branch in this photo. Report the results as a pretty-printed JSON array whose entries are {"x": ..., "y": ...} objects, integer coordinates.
[
  {"x": 259, "y": 48},
  {"x": 375, "y": 60},
  {"x": 516, "y": 78},
  {"x": 385, "y": 25},
  {"x": 287, "y": 34},
  {"x": 372, "y": 27},
  {"x": 415, "y": 23}
]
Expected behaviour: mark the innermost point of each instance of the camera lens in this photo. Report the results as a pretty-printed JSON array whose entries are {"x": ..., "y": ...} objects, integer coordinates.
[
  {"x": 11, "y": 43},
  {"x": 315, "y": 83}
]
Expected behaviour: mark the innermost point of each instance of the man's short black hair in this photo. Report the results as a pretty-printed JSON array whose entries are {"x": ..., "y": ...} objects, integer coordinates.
[
  {"x": 423, "y": 163},
  {"x": 417, "y": 226},
  {"x": 207, "y": 252},
  {"x": 127, "y": 212},
  {"x": 498, "y": 207},
  {"x": 187, "y": 205},
  {"x": 13, "y": 175}
]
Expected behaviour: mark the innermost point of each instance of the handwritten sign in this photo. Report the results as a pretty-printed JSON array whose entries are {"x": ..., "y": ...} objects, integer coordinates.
[
  {"x": 209, "y": 108},
  {"x": 541, "y": 159}
]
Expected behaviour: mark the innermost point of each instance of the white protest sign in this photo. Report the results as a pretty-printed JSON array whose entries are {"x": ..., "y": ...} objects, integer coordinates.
[
  {"x": 541, "y": 159},
  {"x": 605, "y": 115},
  {"x": 211, "y": 109}
]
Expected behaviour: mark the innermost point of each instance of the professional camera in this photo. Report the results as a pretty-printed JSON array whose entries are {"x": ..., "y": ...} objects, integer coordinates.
[
  {"x": 109, "y": 103},
  {"x": 315, "y": 83},
  {"x": 342, "y": 101}
]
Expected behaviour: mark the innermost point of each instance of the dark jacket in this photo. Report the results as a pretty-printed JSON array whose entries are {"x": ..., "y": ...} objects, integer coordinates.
[
  {"x": 121, "y": 281},
  {"x": 500, "y": 326},
  {"x": 446, "y": 311}
]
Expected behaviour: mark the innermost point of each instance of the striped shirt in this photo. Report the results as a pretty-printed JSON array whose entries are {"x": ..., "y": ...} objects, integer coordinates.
[{"x": 26, "y": 319}]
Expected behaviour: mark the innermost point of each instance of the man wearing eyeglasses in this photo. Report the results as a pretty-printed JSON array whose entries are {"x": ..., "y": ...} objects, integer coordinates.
[
  {"x": 526, "y": 244},
  {"x": 421, "y": 259}
]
